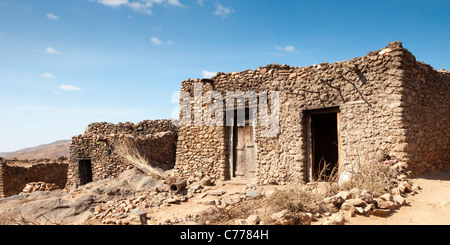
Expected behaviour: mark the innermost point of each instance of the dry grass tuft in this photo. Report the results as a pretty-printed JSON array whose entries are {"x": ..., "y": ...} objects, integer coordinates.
[
  {"x": 131, "y": 153},
  {"x": 296, "y": 200},
  {"x": 376, "y": 177},
  {"x": 226, "y": 215}
]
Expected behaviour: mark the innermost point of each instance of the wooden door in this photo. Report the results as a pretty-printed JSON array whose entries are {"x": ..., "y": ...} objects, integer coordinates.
[{"x": 245, "y": 164}]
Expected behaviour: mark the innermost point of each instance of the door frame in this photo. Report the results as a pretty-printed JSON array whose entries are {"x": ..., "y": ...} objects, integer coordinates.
[
  {"x": 84, "y": 166},
  {"x": 231, "y": 146},
  {"x": 309, "y": 143}
]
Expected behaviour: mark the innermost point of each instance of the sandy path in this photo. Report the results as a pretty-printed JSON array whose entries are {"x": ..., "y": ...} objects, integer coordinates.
[{"x": 430, "y": 207}]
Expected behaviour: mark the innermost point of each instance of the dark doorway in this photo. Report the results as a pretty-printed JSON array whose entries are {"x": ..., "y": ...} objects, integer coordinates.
[
  {"x": 324, "y": 144},
  {"x": 85, "y": 171}
]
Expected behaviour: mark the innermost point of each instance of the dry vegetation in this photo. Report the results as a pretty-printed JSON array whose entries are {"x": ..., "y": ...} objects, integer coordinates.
[
  {"x": 376, "y": 177},
  {"x": 226, "y": 215},
  {"x": 296, "y": 200},
  {"x": 132, "y": 154}
]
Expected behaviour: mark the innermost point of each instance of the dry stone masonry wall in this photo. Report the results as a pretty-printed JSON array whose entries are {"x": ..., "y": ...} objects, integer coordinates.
[
  {"x": 425, "y": 106},
  {"x": 389, "y": 105},
  {"x": 99, "y": 148},
  {"x": 16, "y": 174}
]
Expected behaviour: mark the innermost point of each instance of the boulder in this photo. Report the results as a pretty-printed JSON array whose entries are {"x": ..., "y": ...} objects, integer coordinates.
[
  {"x": 357, "y": 202},
  {"x": 386, "y": 197},
  {"x": 268, "y": 193},
  {"x": 285, "y": 217},
  {"x": 354, "y": 193},
  {"x": 216, "y": 193},
  {"x": 305, "y": 218},
  {"x": 111, "y": 190},
  {"x": 206, "y": 202},
  {"x": 385, "y": 204},
  {"x": 400, "y": 200},
  {"x": 240, "y": 222},
  {"x": 206, "y": 181},
  {"x": 335, "y": 219},
  {"x": 253, "y": 220},
  {"x": 404, "y": 187},
  {"x": 253, "y": 193},
  {"x": 138, "y": 217},
  {"x": 366, "y": 196},
  {"x": 336, "y": 200},
  {"x": 344, "y": 194},
  {"x": 381, "y": 212}
]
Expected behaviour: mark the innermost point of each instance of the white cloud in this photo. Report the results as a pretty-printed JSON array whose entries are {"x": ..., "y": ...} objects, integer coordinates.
[
  {"x": 289, "y": 48},
  {"x": 175, "y": 3},
  {"x": 47, "y": 75},
  {"x": 222, "y": 10},
  {"x": 141, "y": 6},
  {"x": 155, "y": 41},
  {"x": 170, "y": 42},
  {"x": 69, "y": 88},
  {"x": 52, "y": 16},
  {"x": 200, "y": 2},
  {"x": 113, "y": 3},
  {"x": 49, "y": 50},
  {"x": 208, "y": 74}
]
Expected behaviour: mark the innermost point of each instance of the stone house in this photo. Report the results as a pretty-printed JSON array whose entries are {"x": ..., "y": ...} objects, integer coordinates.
[
  {"x": 328, "y": 116},
  {"x": 96, "y": 155}
]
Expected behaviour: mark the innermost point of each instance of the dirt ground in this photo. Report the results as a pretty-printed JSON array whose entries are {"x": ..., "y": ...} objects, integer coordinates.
[
  {"x": 430, "y": 207},
  {"x": 193, "y": 206}
]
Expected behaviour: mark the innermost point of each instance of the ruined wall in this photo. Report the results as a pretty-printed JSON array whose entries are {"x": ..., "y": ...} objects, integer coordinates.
[
  {"x": 426, "y": 116},
  {"x": 101, "y": 142},
  {"x": 15, "y": 174},
  {"x": 367, "y": 90}
]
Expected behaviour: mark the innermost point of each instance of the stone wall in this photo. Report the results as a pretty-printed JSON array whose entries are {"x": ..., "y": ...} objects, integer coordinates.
[
  {"x": 425, "y": 108},
  {"x": 15, "y": 174},
  {"x": 101, "y": 143},
  {"x": 368, "y": 91}
]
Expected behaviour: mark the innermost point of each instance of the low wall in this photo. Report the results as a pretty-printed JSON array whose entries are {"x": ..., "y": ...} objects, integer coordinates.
[{"x": 15, "y": 174}]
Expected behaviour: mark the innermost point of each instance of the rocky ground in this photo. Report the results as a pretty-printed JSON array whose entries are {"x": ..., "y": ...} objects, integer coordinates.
[
  {"x": 131, "y": 198},
  {"x": 430, "y": 207},
  {"x": 134, "y": 198}
]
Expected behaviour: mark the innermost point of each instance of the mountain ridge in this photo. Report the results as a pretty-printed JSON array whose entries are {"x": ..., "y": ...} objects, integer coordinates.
[{"x": 55, "y": 149}]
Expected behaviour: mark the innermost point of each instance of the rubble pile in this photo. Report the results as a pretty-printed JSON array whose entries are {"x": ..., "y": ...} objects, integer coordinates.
[{"x": 39, "y": 186}]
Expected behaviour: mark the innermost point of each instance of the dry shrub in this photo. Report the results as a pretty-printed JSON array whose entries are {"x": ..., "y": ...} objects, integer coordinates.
[
  {"x": 226, "y": 215},
  {"x": 296, "y": 200},
  {"x": 132, "y": 154},
  {"x": 329, "y": 185},
  {"x": 375, "y": 176}
]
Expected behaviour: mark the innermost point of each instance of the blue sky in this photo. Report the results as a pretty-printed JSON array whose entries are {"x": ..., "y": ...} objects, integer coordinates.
[{"x": 65, "y": 64}]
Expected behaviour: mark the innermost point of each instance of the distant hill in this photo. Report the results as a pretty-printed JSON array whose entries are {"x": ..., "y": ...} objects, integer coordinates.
[
  {"x": 4, "y": 154},
  {"x": 56, "y": 149}
]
